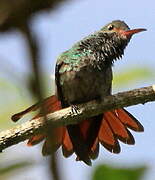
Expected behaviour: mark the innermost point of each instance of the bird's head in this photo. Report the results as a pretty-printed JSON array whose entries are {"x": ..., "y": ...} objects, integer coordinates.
[{"x": 121, "y": 29}]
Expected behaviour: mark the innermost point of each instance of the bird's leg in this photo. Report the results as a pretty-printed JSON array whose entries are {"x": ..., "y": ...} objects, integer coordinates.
[{"x": 74, "y": 109}]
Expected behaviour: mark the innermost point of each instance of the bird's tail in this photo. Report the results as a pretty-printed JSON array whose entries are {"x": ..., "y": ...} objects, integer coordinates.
[
  {"x": 84, "y": 138},
  {"x": 50, "y": 104}
]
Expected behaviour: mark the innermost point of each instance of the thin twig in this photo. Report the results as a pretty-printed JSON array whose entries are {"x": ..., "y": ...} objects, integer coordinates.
[
  {"x": 36, "y": 86},
  {"x": 65, "y": 116},
  {"x": 54, "y": 167}
]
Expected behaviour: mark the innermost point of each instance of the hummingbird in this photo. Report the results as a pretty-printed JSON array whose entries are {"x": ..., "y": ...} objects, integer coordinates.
[{"x": 84, "y": 73}]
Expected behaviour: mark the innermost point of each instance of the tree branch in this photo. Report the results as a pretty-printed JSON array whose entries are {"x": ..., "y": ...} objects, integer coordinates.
[
  {"x": 65, "y": 116},
  {"x": 14, "y": 13}
]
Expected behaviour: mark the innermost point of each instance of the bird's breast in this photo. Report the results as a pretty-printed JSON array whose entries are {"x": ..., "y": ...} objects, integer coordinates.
[{"x": 85, "y": 84}]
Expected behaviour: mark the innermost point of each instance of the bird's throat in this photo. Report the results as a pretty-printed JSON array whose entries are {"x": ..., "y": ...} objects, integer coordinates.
[{"x": 105, "y": 48}]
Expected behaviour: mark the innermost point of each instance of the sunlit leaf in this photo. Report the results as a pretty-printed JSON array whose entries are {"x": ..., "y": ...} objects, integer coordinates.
[
  {"x": 132, "y": 75},
  {"x": 105, "y": 172}
]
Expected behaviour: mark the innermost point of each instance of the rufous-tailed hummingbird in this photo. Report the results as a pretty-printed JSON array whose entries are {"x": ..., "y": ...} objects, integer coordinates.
[{"x": 84, "y": 73}]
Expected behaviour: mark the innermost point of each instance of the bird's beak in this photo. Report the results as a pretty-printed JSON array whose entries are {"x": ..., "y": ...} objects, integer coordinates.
[{"x": 129, "y": 33}]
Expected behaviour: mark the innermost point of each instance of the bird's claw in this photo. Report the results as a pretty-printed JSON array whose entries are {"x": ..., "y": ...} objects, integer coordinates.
[{"x": 75, "y": 109}]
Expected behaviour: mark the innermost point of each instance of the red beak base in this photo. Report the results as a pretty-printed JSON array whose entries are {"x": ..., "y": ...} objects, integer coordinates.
[{"x": 129, "y": 33}]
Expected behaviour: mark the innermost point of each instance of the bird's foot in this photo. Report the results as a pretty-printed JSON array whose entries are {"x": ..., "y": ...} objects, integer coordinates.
[{"x": 75, "y": 109}]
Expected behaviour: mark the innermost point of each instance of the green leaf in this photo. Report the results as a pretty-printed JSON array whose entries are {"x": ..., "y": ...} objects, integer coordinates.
[
  {"x": 105, "y": 172},
  {"x": 14, "y": 167},
  {"x": 132, "y": 75}
]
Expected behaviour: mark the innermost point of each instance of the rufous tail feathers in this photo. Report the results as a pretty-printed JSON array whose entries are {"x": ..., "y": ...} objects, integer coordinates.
[
  {"x": 51, "y": 104},
  {"x": 113, "y": 126}
]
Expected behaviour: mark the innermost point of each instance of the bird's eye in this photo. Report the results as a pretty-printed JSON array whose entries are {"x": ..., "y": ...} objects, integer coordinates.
[{"x": 110, "y": 27}]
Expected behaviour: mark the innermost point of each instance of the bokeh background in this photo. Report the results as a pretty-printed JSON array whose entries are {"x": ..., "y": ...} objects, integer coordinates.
[{"x": 57, "y": 31}]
